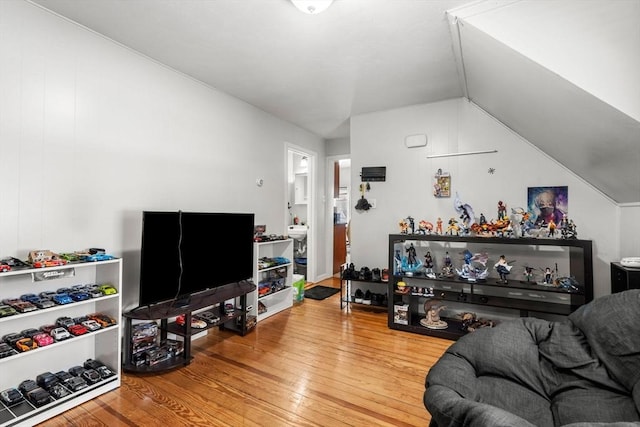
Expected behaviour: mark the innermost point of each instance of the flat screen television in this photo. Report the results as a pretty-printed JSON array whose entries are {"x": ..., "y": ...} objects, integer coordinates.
[{"x": 184, "y": 253}]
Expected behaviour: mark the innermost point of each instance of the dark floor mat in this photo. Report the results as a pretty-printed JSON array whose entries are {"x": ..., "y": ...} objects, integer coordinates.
[{"x": 320, "y": 292}]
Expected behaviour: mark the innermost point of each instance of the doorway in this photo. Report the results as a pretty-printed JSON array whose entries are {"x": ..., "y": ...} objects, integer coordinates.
[
  {"x": 300, "y": 193},
  {"x": 339, "y": 169}
]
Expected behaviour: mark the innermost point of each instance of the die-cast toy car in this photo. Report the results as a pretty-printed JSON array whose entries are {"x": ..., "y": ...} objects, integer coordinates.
[
  {"x": 43, "y": 339},
  {"x": 60, "y": 334}
]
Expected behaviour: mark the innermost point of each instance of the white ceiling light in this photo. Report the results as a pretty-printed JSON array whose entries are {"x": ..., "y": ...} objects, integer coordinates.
[{"x": 312, "y": 7}]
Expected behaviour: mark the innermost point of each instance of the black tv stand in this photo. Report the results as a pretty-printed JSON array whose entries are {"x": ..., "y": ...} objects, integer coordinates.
[{"x": 235, "y": 321}]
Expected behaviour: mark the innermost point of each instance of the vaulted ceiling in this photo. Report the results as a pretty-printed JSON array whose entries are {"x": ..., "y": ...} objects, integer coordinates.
[{"x": 564, "y": 74}]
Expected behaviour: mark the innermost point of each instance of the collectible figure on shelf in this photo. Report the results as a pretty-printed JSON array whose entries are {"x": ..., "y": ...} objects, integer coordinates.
[
  {"x": 425, "y": 227},
  {"x": 447, "y": 266},
  {"x": 547, "y": 277},
  {"x": 524, "y": 221},
  {"x": 552, "y": 228},
  {"x": 432, "y": 310},
  {"x": 439, "y": 226},
  {"x": 466, "y": 213},
  {"x": 428, "y": 266},
  {"x": 528, "y": 273},
  {"x": 502, "y": 210},
  {"x": 453, "y": 227},
  {"x": 411, "y": 264},
  {"x": 503, "y": 269},
  {"x": 471, "y": 323},
  {"x": 568, "y": 228},
  {"x": 404, "y": 226},
  {"x": 482, "y": 219},
  {"x": 412, "y": 225},
  {"x": 471, "y": 272}
]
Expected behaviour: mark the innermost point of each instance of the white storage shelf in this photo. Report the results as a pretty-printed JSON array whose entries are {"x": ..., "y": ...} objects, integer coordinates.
[
  {"x": 102, "y": 345},
  {"x": 278, "y": 300}
]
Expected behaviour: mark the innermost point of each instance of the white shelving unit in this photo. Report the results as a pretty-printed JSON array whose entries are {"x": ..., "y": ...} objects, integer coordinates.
[
  {"x": 102, "y": 345},
  {"x": 278, "y": 300}
]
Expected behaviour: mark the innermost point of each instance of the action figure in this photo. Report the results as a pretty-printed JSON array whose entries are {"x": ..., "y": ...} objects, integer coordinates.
[
  {"x": 528, "y": 273},
  {"x": 552, "y": 228},
  {"x": 453, "y": 227},
  {"x": 502, "y": 210},
  {"x": 428, "y": 265},
  {"x": 432, "y": 311},
  {"x": 439, "y": 226},
  {"x": 447, "y": 267},
  {"x": 548, "y": 276},
  {"x": 483, "y": 220},
  {"x": 503, "y": 269}
]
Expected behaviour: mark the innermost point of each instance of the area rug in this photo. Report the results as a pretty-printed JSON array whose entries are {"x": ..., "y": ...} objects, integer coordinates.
[{"x": 320, "y": 292}]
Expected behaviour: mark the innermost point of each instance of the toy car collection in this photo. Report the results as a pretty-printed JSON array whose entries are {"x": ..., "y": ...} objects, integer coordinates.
[
  {"x": 4, "y": 267},
  {"x": 30, "y": 332},
  {"x": 195, "y": 322}
]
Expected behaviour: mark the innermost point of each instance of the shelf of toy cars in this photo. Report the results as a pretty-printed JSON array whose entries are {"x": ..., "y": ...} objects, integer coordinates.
[
  {"x": 56, "y": 308},
  {"x": 56, "y": 344},
  {"x": 182, "y": 330},
  {"x": 275, "y": 267},
  {"x": 26, "y": 410},
  {"x": 31, "y": 269}
]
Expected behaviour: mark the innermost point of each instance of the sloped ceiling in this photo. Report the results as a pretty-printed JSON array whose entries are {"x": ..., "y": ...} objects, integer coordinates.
[
  {"x": 563, "y": 74},
  {"x": 565, "y": 77}
]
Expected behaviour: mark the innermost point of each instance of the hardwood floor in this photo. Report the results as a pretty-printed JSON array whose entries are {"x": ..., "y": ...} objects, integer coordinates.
[{"x": 312, "y": 365}]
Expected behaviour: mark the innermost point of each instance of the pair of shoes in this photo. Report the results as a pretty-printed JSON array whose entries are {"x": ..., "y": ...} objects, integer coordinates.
[
  {"x": 365, "y": 273},
  {"x": 350, "y": 273},
  {"x": 358, "y": 297},
  {"x": 367, "y": 298},
  {"x": 379, "y": 299}
]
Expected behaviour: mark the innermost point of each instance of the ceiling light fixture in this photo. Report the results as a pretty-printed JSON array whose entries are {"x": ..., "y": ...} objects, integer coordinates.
[{"x": 312, "y": 7}]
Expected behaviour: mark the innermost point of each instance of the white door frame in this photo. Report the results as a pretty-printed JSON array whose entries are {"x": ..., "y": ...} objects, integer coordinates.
[
  {"x": 312, "y": 158},
  {"x": 330, "y": 160}
]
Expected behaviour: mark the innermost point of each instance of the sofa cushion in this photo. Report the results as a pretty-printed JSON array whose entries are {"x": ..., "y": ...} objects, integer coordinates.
[{"x": 610, "y": 325}]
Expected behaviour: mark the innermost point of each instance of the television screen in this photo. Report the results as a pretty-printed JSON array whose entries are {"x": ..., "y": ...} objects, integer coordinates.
[{"x": 188, "y": 252}]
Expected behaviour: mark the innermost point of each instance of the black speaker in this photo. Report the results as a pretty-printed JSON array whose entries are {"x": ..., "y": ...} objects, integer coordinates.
[{"x": 623, "y": 278}]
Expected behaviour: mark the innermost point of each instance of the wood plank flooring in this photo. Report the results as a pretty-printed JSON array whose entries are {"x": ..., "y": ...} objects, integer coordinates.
[{"x": 312, "y": 365}]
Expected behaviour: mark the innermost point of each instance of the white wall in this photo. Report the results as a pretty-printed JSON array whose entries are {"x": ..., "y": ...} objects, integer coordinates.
[
  {"x": 92, "y": 133},
  {"x": 377, "y": 139},
  {"x": 629, "y": 231}
]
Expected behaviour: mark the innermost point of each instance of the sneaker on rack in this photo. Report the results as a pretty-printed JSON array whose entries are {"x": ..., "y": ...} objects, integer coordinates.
[
  {"x": 367, "y": 297},
  {"x": 375, "y": 275},
  {"x": 385, "y": 274},
  {"x": 359, "y": 295}
]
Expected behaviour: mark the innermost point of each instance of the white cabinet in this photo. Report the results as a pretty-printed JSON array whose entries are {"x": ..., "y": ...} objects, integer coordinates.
[
  {"x": 274, "y": 292},
  {"x": 102, "y": 345}
]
